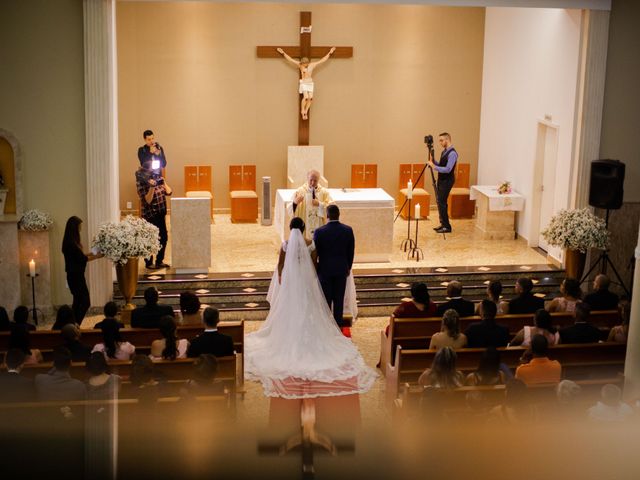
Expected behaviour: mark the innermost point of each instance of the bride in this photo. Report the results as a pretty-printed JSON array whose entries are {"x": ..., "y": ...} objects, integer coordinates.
[{"x": 299, "y": 352}]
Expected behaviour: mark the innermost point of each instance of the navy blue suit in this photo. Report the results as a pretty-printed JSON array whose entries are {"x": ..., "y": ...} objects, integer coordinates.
[{"x": 335, "y": 246}]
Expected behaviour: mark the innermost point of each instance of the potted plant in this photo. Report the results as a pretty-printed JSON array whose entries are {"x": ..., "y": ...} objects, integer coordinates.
[
  {"x": 124, "y": 243},
  {"x": 576, "y": 231}
]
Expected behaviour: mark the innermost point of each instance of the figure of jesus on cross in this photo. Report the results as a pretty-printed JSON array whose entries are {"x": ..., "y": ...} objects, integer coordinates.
[{"x": 306, "y": 81}]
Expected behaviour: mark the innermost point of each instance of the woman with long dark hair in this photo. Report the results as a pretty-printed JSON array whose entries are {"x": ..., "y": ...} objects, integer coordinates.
[
  {"x": 112, "y": 345},
  {"x": 75, "y": 263},
  {"x": 169, "y": 347}
]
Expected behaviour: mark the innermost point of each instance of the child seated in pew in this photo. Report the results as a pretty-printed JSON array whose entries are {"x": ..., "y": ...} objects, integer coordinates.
[
  {"x": 449, "y": 334},
  {"x": 169, "y": 347},
  {"x": 112, "y": 346}
]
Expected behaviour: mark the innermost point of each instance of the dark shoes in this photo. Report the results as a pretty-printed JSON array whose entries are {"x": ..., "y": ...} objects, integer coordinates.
[
  {"x": 443, "y": 230},
  {"x": 162, "y": 265},
  {"x": 437, "y": 228},
  {"x": 150, "y": 266}
]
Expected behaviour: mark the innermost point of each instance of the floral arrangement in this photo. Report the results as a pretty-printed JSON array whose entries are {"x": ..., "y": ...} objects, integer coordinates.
[
  {"x": 35, "y": 221},
  {"x": 577, "y": 230},
  {"x": 504, "y": 188},
  {"x": 132, "y": 237}
]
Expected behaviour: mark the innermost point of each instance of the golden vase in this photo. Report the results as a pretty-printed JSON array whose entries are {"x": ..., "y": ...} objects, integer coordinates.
[
  {"x": 574, "y": 261},
  {"x": 127, "y": 275}
]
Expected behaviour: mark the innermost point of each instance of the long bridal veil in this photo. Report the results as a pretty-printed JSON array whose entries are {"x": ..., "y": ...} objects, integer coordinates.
[{"x": 299, "y": 352}]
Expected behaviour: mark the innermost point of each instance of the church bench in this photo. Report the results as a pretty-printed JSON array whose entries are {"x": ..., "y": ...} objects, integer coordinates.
[
  {"x": 577, "y": 360},
  {"x": 413, "y": 333},
  {"x": 541, "y": 396}
]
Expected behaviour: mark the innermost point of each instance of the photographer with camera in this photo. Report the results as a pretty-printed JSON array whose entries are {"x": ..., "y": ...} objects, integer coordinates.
[
  {"x": 446, "y": 178},
  {"x": 151, "y": 150},
  {"x": 153, "y": 190}
]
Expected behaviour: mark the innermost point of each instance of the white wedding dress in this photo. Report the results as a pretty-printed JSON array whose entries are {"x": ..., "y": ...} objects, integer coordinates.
[{"x": 299, "y": 352}]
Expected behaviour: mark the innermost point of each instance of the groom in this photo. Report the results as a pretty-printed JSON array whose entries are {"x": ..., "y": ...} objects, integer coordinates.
[{"x": 335, "y": 246}]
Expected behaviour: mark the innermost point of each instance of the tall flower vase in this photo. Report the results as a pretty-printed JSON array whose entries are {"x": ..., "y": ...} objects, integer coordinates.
[
  {"x": 127, "y": 275},
  {"x": 574, "y": 261}
]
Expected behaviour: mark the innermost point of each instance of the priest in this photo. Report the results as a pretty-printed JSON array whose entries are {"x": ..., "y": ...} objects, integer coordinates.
[{"x": 310, "y": 203}]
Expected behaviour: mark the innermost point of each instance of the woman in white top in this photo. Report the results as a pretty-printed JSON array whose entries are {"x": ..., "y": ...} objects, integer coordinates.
[
  {"x": 112, "y": 345},
  {"x": 542, "y": 320},
  {"x": 169, "y": 347}
]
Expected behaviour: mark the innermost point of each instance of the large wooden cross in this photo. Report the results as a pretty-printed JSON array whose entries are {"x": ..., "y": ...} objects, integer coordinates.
[{"x": 304, "y": 50}]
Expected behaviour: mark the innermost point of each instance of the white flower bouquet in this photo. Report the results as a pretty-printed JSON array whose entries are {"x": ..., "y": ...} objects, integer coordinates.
[
  {"x": 132, "y": 237},
  {"x": 35, "y": 221},
  {"x": 577, "y": 230}
]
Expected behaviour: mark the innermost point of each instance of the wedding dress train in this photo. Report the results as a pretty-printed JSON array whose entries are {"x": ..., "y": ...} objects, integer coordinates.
[{"x": 300, "y": 352}]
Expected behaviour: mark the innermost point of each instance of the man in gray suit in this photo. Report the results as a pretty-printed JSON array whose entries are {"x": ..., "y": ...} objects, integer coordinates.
[{"x": 57, "y": 384}]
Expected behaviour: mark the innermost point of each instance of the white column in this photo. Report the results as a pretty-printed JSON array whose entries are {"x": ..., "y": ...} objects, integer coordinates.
[
  {"x": 632, "y": 361},
  {"x": 589, "y": 102},
  {"x": 101, "y": 134}
]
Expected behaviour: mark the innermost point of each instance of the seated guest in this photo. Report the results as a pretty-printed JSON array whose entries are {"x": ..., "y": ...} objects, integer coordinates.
[
  {"x": 465, "y": 308},
  {"x": 19, "y": 338},
  {"x": 57, "y": 384},
  {"x": 601, "y": 298},
  {"x": 71, "y": 337},
  {"x": 64, "y": 316},
  {"x": 143, "y": 377},
  {"x": 487, "y": 333},
  {"x": 570, "y": 295},
  {"x": 210, "y": 341},
  {"x": 21, "y": 317},
  {"x": 449, "y": 334},
  {"x": 203, "y": 378},
  {"x": 420, "y": 305},
  {"x": 620, "y": 333},
  {"x": 169, "y": 347},
  {"x": 539, "y": 369},
  {"x": 525, "y": 301},
  {"x": 443, "y": 372},
  {"x": 112, "y": 345},
  {"x": 567, "y": 405},
  {"x": 515, "y": 410},
  {"x": 110, "y": 311},
  {"x": 494, "y": 291},
  {"x": 190, "y": 309},
  {"x": 581, "y": 331},
  {"x": 542, "y": 320},
  {"x": 148, "y": 316},
  {"x": 610, "y": 408},
  {"x": 13, "y": 386},
  {"x": 490, "y": 370},
  {"x": 102, "y": 385},
  {"x": 5, "y": 324}
]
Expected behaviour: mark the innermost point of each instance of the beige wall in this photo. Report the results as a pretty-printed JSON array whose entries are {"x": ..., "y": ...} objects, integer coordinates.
[
  {"x": 42, "y": 105},
  {"x": 189, "y": 72}
]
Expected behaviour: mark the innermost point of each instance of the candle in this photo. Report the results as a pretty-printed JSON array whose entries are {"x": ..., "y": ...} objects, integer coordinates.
[
  {"x": 409, "y": 189},
  {"x": 32, "y": 268},
  {"x": 417, "y": 215}
]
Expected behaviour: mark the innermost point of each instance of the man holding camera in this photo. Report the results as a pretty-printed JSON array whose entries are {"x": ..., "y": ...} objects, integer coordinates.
[
  {"x": 446, "y": 179},
  {"x": 152, "y": 190},
  {"x": 151, "y": 150}
]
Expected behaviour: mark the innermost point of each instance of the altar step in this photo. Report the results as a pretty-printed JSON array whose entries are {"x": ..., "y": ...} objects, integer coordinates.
[{"x": 379, "y": 291}]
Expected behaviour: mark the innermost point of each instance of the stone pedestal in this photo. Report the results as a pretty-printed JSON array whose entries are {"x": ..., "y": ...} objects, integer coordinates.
[
  {"x": 9, "y": 263},
  {"x": 495, "y": 216},
  {"x": 191, "y": 235},
  {"x": 35, "y": 245},
  {"x": 301, "y": 159}
]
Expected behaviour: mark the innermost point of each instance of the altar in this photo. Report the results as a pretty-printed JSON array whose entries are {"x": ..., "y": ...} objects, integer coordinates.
[
  {"x": 369, "y": 211},
  {"x": 495, "y": 216}
]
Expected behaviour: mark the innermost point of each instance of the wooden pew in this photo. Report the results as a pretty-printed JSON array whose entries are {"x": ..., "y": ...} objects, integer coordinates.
[
  {"x": 577, "y": 360},
  {"x": 413, "y": 333}
]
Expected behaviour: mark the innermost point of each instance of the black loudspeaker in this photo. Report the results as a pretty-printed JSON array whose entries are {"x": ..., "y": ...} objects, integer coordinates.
[{"x": 606, "y": 187}]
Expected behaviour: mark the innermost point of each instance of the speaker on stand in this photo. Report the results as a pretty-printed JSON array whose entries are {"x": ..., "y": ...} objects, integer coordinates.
[
  {"x": 606, "y": 191},
  {"x": 265, "y": 215}
]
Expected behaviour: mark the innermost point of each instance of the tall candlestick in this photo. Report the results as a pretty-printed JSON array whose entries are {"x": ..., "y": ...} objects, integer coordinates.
[
  {"x": 32, "y": 268},
  {"x": 417, "y": 213},
  {"x": 409, "y": 189}
]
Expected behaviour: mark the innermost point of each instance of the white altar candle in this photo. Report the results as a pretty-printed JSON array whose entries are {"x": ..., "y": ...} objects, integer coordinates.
[
  {"x": 32, "y": 268},
  {"x": 417, "y": 215},
  {"x": 409, "y": 189}
]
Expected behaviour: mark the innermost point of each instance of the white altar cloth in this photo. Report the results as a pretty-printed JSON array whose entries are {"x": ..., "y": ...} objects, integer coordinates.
[
  {"x": 369, "y": 211},
  {"x": 498, "y": 202}
]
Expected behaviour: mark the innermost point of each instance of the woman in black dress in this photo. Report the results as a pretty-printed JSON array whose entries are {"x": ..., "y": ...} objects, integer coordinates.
[{"x": 75, "y": 263}]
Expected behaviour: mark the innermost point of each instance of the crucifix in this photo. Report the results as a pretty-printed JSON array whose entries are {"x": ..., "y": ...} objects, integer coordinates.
[{"x": 304, "y": 52}]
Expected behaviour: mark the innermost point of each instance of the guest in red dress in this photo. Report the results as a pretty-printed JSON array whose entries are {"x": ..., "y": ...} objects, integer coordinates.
[{"x": 420, "y": 305}]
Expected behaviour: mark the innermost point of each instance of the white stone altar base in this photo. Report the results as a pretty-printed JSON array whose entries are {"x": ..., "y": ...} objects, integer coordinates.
[
  {"x": 191, "y": 235},
  {"x": 301, "y": 159},
  {"x": 495, "y": 218},
  {"x": 369, "y": 211}
]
